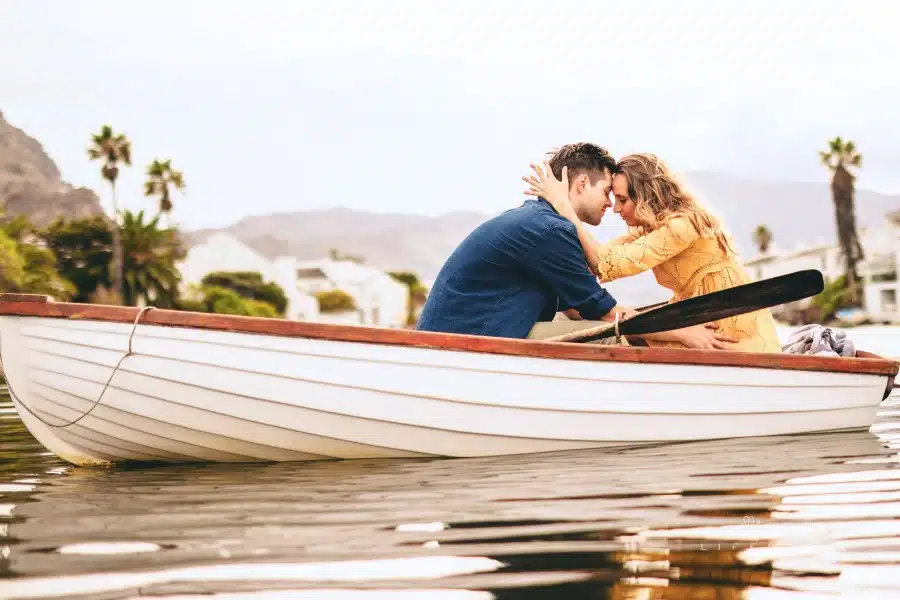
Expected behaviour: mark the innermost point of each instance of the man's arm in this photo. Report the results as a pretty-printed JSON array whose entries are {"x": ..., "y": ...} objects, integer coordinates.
[{"x": 557, "y": 259}]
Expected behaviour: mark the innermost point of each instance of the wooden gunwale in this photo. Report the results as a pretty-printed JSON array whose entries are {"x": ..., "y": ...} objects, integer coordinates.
[{"x": 26, "y": 305}]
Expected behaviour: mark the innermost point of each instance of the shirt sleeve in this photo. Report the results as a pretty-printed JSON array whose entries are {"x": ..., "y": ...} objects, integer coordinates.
[
  {"x": 558, "y": 260},
  {"x": 623, "y": 257}
]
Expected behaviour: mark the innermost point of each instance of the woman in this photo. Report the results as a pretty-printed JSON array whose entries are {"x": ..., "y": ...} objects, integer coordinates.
[{"x": 668, "y": 232}]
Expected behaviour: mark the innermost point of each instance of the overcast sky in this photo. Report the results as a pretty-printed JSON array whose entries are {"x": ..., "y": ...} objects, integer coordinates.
[{"x": 402, "y": 106}]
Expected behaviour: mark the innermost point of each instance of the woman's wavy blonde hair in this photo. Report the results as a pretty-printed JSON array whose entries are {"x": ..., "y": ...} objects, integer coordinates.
[{"x": 659, "y": 196}]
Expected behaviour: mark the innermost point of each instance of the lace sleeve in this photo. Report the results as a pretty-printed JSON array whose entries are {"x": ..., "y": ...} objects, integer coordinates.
[{"x": 630, "y": 255}]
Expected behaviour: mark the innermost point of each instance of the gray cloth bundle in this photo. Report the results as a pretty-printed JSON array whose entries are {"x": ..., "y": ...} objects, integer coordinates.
[{"x": 819, "y": 340}]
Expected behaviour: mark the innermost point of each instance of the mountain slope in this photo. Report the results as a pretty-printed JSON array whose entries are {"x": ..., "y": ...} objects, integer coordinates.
[{"x": 31, "y": 184}]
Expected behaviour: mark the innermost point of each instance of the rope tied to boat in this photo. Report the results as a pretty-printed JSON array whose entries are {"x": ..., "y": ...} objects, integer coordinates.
[{"x": 115, "y": 370}]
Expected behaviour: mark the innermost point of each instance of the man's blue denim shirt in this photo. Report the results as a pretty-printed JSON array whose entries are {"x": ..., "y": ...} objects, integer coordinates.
[{"x": 518, "y": 268}]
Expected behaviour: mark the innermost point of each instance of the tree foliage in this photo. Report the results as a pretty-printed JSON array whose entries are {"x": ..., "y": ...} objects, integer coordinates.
[
  {"x": 839, "y": 158},
  {"x": 221, "y": 300},
  {"x": 151, "y": 257},
  {"x": 331, "y": 301},
  {"x": 417, "y": 292},
  {"x": 161, "y": 180},
  {"x": 83, "y": 249},
  {"x": 250, "y": 285},
  {"x": 27, "y": 266},
  {"x": 762, "y": 237},
  {"x": 835, "y": 296},
  {"x": 112, "y": 149}
]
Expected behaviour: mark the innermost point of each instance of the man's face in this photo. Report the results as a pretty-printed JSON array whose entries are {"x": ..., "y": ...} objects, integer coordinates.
[{"x": 591, "y": 201}]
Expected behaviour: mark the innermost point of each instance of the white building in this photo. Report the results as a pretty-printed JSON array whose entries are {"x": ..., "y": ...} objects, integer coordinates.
[
  {"x": 222, "y": 252},
  {"x": 881, "y": 247},
  {"x": 775, "y": 262},
  {"x": 878, "y": 270},
  {"x": 380, "y": 300}
]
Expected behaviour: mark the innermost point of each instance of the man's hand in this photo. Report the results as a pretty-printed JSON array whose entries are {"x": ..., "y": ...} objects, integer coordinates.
[
  {"x": 703, "y": 337},
  {"x": 623, "y": 311}
]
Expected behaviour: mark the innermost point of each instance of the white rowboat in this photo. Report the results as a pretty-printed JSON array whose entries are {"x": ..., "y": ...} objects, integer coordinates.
[{"x": 102, "y": 384}]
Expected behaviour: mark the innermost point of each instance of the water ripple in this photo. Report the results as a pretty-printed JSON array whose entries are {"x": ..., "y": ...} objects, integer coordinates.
[{"x": 789, "y": 517}]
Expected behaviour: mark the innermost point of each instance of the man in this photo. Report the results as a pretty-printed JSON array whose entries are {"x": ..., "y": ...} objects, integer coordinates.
[{"x": 526, "y": 264}]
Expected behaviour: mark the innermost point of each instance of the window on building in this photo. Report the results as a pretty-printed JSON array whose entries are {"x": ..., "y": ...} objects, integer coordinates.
[{"x": 889, "y": 300}]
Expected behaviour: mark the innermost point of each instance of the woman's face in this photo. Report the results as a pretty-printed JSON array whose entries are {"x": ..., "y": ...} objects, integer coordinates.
[{"x": 624, "y": 206}]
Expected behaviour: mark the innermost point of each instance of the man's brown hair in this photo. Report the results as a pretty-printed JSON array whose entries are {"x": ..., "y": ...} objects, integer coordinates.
[{"x": 583, "y": 157}]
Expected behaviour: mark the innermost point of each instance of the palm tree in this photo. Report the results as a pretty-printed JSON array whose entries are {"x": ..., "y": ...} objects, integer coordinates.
[
  {"x": 161, "y": 177},
  {"x": 112, "y": 149},
  {"x": 839, "y": 158},
  {"x": 762, "y": 237},
  {"x": 151, "y": 257}
]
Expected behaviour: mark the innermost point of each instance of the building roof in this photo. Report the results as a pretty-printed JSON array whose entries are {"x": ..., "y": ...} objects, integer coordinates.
[
  {"x": 311, "y": 273},
  {"x": 782, "y": 256},
  {"x": 338, "y": 271}
]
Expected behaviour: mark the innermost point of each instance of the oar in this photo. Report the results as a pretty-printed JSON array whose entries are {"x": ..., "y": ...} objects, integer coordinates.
[
  {"x": 649, "y": 306},
  {"x": 738, "y": 300}
]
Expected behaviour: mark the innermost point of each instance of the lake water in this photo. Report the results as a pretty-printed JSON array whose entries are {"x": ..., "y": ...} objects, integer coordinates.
[{"x": 800, "y": 517}]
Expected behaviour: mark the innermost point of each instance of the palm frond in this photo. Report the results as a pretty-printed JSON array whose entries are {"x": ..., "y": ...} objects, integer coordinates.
[{"x": 155, "y": 168}]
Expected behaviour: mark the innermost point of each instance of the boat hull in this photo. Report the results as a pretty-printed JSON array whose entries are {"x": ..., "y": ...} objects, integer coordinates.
[{"x": 97, "y": 392}]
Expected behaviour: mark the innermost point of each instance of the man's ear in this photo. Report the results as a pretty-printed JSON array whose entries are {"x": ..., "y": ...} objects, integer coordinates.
[{"x": 581, "y": 182}]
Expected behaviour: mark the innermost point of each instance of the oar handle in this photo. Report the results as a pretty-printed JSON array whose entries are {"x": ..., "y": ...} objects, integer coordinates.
[{"x": 577, "y": 335}]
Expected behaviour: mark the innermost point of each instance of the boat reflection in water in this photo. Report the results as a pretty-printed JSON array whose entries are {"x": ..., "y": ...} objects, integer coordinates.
[{"x": 751, "y": 518}]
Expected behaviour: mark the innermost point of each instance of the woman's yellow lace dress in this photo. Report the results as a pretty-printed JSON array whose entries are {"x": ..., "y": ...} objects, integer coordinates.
[{"x": 689, "y": 265}]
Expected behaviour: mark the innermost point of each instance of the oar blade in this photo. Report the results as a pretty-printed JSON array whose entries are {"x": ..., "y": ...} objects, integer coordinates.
[
  {"x": 727, "y": 303},
  {"x": 722, "y": 304}
]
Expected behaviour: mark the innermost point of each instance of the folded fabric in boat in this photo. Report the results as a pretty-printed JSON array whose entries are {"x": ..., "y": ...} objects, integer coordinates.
[{"x": 819, "y": 340}]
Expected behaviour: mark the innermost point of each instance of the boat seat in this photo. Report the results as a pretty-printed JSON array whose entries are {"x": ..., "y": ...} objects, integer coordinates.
[{"x": 561, "y": 325}]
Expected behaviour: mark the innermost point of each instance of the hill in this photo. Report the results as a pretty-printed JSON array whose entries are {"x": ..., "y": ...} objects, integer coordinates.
[{"x": 31, "y": 184}]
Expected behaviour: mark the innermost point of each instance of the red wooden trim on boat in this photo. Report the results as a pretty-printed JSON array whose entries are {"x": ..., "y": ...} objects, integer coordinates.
[
  {"x": 38, "y": 306},
  {"x": 9, "y": 297}
]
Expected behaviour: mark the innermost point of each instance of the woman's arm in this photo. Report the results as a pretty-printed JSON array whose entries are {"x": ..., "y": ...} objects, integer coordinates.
[
  {"x": 556, "y": 191},
  {"x": 699, "y": 337},
  {"x": 614, "y": 261},
  {"x": 590, "y": 244}
]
